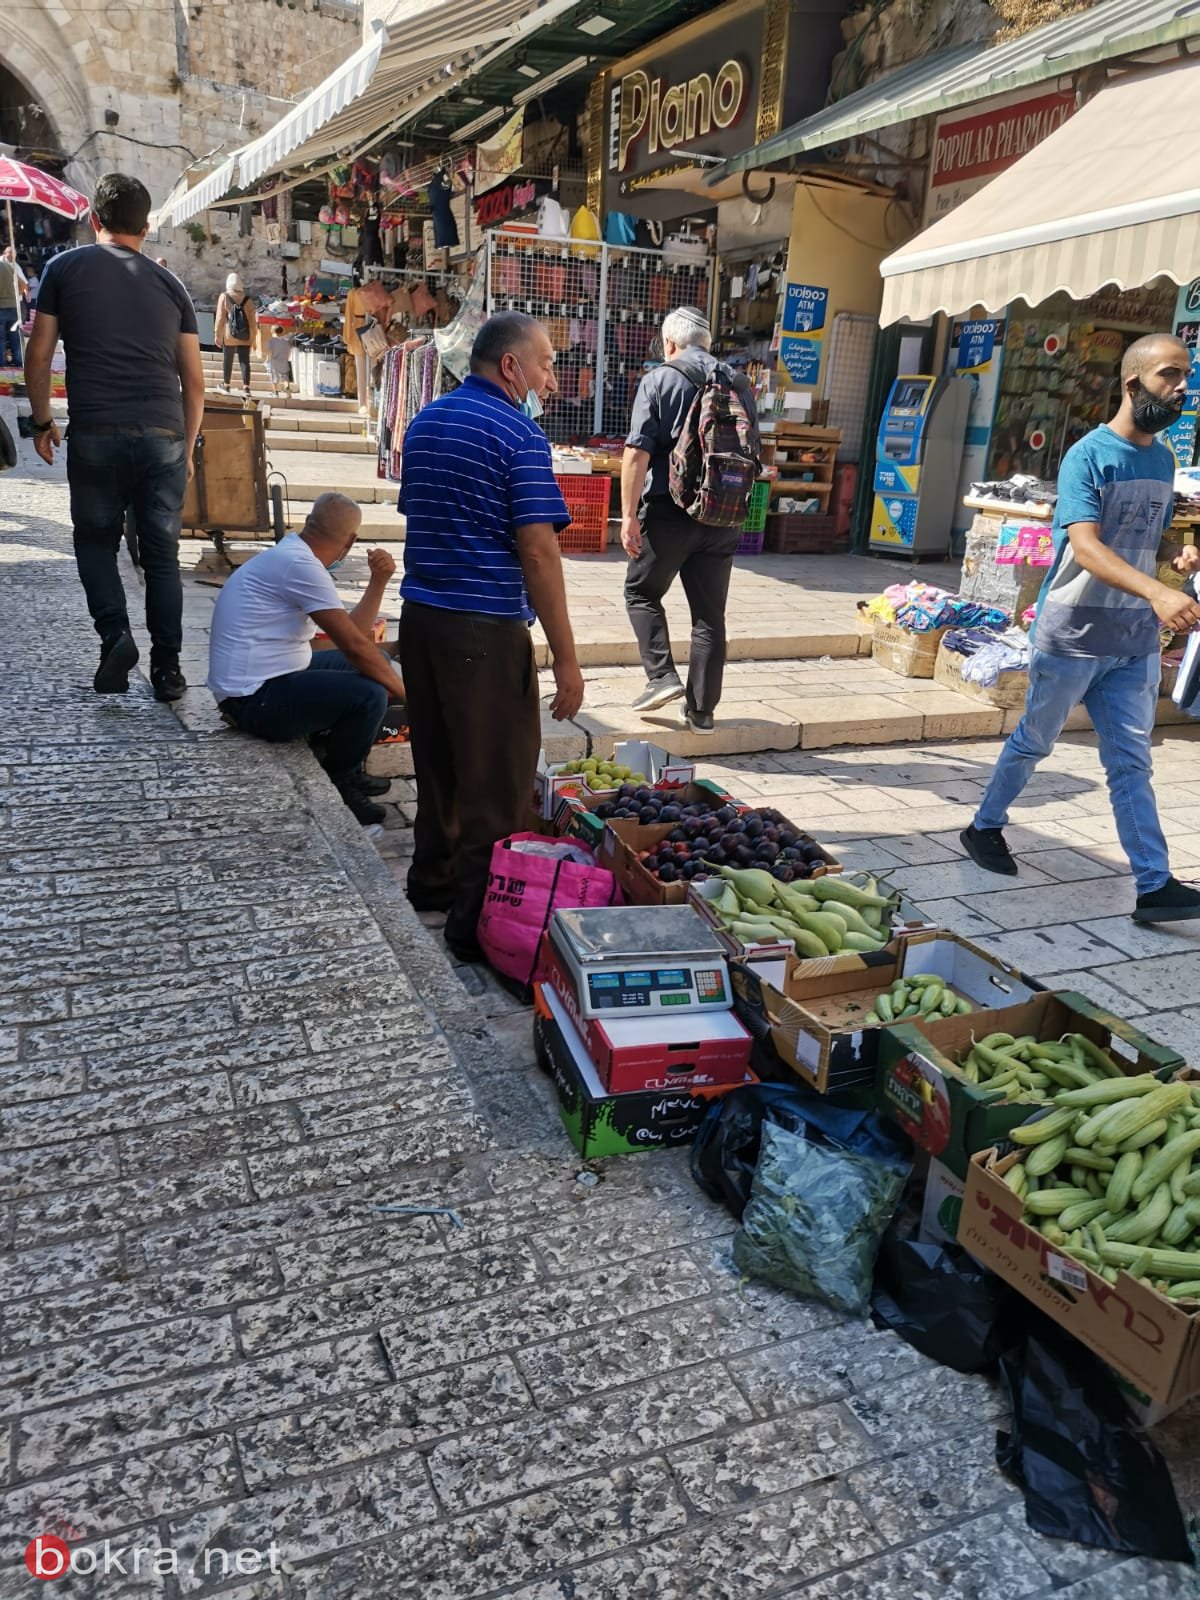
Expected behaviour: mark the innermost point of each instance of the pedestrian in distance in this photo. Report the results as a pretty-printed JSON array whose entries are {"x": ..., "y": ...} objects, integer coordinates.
[
  {"x": 481, "y": 561},
  {"x": 13, "y": 285},
  {"x": 135, "y": 399},
  {"x": 267, "y": 679},
  {"x": 1096, "y": 635},
  {"x": 234, "y": 329},
  {"x": 662, "y": 541}
]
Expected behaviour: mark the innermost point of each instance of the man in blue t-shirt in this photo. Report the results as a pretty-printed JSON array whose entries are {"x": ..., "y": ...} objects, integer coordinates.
[
  {"x": 1096, "y": 636},
  {"x": 481, "y": 561},
  {"x": 135, "y": 399}
]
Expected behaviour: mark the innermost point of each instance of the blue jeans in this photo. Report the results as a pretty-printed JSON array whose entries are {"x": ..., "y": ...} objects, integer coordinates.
[
  {"x": 10, "y": 344},
  {"x": 1120, "y": 694},
  {"x": 144, "y": 471},
  {"x": 329, "y": 697}
]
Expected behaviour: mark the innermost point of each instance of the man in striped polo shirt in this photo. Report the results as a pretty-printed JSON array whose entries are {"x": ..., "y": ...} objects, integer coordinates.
[{"x": 481, "y": 561}]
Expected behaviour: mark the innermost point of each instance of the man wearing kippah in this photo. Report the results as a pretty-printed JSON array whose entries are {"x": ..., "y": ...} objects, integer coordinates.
[{"x": 662, "y": 541}]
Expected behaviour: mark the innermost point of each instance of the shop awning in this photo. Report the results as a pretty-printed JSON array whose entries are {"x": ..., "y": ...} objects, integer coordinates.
[
  {"x": 974, "y": 72},
  {"x": 181, "y": 205},
  {"x": 1111, "y": 197}
]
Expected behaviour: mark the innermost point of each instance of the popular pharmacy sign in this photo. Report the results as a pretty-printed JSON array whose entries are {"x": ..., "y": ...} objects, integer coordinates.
[{"x": 971, "y": 148}]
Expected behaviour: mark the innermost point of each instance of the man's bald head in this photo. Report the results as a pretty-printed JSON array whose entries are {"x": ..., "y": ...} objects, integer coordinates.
[
  {"x": 331, "y": 527},
  {"x": 1146, "y": 354}
]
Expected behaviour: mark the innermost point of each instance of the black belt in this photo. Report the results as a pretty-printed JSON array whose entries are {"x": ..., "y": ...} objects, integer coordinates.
[{"x": 124, "y": 427}]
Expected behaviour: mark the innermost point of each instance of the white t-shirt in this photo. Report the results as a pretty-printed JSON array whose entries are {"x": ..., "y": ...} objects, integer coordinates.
[{"x": 262, "y": 625}]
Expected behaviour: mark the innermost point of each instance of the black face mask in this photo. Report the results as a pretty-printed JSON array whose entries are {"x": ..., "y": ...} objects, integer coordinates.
[{"x": 1151, "y": 415}]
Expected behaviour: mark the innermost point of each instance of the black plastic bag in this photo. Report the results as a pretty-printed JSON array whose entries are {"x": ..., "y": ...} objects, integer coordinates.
[
  {"x": 815, "y": 1218},
  {"x": 725, "y": 1151},
  {"x": 1089, "y": 1471},
  {"x": 943, "y": 1303}
]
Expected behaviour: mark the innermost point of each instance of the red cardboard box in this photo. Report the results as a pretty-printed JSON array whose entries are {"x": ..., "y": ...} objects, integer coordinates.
[{"x": 668, "y": 1055}]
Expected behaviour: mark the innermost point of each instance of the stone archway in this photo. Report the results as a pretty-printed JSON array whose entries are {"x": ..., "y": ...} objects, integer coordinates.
[{"x": 36, "y": 52}]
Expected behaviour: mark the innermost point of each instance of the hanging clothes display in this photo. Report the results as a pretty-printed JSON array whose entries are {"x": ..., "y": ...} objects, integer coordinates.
[
  {"x": 370, "y": 251},
  {"x": 445, "y": 229},
  {"x": 411, "y": 377}
]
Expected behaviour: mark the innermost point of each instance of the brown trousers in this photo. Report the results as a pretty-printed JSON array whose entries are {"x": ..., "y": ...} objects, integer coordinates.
[{"x": 472, "y": 693}]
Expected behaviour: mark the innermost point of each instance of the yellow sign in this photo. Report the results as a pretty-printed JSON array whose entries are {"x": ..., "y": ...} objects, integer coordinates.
[{"x": 668, "y": 116}]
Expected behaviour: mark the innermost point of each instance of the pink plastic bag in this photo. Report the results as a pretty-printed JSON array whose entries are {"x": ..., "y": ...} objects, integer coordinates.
[{"x": 523, "y": 891}]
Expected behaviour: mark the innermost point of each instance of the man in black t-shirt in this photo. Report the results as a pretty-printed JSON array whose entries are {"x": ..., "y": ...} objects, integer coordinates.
[{"x": 135, "y": 399}]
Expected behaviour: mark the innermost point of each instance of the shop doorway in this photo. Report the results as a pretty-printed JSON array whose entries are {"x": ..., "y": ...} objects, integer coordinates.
[{"x": 27, "y": 132}]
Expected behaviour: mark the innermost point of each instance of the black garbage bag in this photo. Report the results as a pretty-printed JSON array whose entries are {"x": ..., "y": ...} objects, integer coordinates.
[
  {"x": 725, "y": 1150},
  {"x": 815, "y": 1218},
  {"x": 942, "y": 1302},
  {"x": 1090, "y": 1472}
]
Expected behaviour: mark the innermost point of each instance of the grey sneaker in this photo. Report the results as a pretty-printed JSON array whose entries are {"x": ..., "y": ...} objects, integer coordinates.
[
  {"x": 659, "y": 692},
  {"x": 699, "y": 721}
]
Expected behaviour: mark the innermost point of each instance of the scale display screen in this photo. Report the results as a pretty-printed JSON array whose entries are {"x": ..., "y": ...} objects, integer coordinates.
[{"x": 645, "y": 987}]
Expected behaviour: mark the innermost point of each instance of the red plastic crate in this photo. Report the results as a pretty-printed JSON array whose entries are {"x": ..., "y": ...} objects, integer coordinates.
[{"x": 587, "y": 496}]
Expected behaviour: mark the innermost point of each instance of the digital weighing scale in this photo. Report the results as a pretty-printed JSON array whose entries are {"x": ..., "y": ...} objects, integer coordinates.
[{"x": 637, "y": 961}]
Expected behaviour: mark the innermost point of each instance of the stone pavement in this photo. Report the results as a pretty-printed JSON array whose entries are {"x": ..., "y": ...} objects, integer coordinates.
[{"x": 224, "y": 1039}]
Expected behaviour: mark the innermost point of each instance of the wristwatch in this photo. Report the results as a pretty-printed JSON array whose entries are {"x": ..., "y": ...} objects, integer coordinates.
[{"x": 42, "y": 427}]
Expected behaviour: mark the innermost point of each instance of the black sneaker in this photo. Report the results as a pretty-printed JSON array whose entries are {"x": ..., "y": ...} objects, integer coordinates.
[
  {"x": 660, "y": 692},
  {"x": 168, "y": 683},
  {"x": 364, "y": 809},
  {"x": 466, "y": 951},
  {"x": 987, "y": 849},
  {"x": 1174, "y": 902},
  {"x": 117, "y": 656},
  {"x": 699, "y": 721},
  {"x": 365, "y": 783}
]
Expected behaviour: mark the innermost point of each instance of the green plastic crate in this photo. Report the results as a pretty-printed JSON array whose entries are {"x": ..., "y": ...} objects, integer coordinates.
[{"x": 756, "y": 516}]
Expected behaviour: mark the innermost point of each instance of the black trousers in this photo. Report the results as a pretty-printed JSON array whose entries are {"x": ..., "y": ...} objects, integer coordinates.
[
  {"x": 242, "y": 352},
  {"x": 475, "y": 727},
  {"x": 702, "y": 558}
]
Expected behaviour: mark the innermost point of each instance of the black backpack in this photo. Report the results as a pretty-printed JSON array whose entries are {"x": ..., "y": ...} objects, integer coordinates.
[{"x": 239, "y": 327}]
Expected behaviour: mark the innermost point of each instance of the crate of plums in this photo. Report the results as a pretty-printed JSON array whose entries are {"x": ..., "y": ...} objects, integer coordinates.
[{"x": 657, "y": 843}]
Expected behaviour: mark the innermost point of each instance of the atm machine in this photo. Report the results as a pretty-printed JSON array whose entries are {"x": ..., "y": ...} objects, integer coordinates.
[{"x": 918, "y": 456}]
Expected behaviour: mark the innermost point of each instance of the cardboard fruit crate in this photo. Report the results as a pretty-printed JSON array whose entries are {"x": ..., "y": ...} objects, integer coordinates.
[
  {"x": 942, "y": 1112},
  {"x": 814, "y": 1009},
  {"x": 1008, "y": 692},
  {"x": 1150, "y": 1341},
  {"x": 900, "y": 650}
]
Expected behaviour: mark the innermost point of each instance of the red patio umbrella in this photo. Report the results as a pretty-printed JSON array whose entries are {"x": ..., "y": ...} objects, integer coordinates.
[{"x": 21, "y": 182}]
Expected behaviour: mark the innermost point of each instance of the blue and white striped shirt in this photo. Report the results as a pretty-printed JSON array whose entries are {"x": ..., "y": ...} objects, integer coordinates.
[{"x": 473, "y": 471}]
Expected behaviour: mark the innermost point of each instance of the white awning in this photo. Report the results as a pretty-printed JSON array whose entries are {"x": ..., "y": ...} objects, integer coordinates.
[
  {"x": 1111, "y": 197},
  {"x": 180, "y": 206},
  {"x": 426, "y": 47}
]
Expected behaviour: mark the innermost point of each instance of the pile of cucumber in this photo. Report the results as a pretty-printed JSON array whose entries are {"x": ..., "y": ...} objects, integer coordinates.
[
  {"x": 921, "y": 995},
  {"x": 1109, "y": 1174},
  {"x": 830, "y": 915}
]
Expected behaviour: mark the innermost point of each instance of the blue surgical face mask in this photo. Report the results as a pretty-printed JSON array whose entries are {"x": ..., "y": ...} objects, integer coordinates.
[
  {"x": 334, "y": 565},
  {"x": 530, "y": 406}
]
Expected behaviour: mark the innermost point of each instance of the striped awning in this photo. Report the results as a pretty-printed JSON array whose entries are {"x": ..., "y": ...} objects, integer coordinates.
[
  {"x": 1111, "y": 197},
  {"x": 182, "y": 205}
]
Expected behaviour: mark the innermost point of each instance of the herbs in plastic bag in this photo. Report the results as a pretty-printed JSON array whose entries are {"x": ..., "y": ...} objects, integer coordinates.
[{"x": 815, "y": 1219}]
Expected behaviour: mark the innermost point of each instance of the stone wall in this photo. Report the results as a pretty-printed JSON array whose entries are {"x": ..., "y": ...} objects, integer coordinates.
[{"x": 148, "y": 89}]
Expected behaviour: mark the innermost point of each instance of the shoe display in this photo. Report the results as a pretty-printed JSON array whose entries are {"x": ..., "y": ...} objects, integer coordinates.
[
  {"x": 117, "y": 656},
  {"x": 168, "y": 683},
  {"x": 660, "y": 692},
  {"x": 988, "y": 849},
  {"x": 699, "y": 721},
  {"x": 1174, "y": 902}
]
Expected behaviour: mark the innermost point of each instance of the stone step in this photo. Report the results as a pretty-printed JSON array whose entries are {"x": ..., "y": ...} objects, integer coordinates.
[
  {"x": 293, "y": 420},
  {"x": 345, "y": 444},
  {"x": 867, "y": 707}
]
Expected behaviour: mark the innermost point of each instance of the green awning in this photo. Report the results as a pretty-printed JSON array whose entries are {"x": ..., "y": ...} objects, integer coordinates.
[{"x": 976, "y": 72}]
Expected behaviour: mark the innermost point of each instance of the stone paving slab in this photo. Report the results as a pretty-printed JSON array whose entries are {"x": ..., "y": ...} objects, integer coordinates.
[{"x": 231, "y": 1039}]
